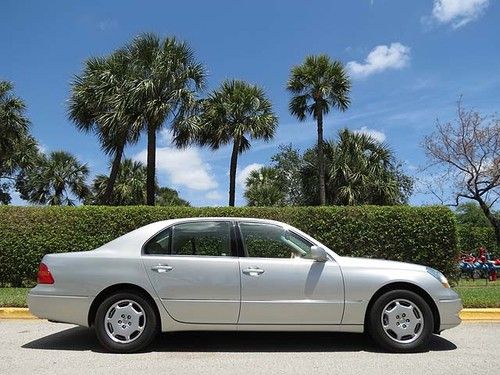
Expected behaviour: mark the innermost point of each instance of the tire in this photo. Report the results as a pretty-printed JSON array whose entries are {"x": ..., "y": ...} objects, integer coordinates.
[
  {"x": 125, "y": 322},
  {"x": 401, "y": 321}
]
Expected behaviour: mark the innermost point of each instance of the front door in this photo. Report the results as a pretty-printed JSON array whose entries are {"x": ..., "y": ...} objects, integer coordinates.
[
  {"x": 195, "y": 272},
  {"x": 279, "y": 285}
]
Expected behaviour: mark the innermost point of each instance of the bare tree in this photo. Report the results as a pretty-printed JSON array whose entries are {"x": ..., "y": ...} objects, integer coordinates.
[{"x": 467, "y": 155}]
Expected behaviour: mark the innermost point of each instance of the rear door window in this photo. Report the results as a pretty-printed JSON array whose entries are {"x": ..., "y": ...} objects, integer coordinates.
[{"x": 208, "y": 238}]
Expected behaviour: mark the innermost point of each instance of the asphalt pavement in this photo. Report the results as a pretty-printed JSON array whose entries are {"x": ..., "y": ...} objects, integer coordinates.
[{"x": 40, "y": 347}]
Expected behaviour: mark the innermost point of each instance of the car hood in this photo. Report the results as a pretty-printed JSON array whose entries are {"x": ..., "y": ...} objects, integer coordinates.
[{"x": 379, "y": 264}]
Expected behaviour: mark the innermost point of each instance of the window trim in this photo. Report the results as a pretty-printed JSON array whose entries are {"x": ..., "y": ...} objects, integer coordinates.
[
  {"x": 232, "y": 240},
  {"x": 244, "y": 251}
]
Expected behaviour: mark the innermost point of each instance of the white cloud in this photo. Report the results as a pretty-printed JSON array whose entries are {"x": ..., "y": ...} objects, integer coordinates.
[
  {"x": 214, "y": 195},
  {"x": 458, "y": 12},
  {"x": 395, "y": 56},
  {"x": 107, "y": 24},
  {"x": 375, "y": 134},
  {"x": 242, "y": 175},
  {"x": 184, "y": 167}
]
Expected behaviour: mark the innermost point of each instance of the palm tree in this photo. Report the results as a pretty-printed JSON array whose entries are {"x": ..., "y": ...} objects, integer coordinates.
[
  {"x": 95, "y": 106},
  {"x": 236, "y": 113},
  {"x": 317, "y": 86},
  {"x": 14, "y": 124},
  {"x": 18, "y": 149},
  {"x": 24, "y": 155},
  {"x": 265, "y": 188},
  {"x": 56, "y": 179},
  {"x": 310, "y": 176},
  {"x": 129, "y": 188},
  {"x": 166, "y": 196},
  {"x": 163, "y": 85},
  {"x": 359, "y": 170}
]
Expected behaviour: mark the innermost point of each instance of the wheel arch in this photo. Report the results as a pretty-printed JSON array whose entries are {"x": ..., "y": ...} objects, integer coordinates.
[
  {"x": 110, "y": 290},
  {"x": 405, "y": 286}
]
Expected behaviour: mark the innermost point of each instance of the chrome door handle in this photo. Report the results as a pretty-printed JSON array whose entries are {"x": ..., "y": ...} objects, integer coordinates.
[
  {"x": 161, "y": 268},
  {"x": 253, "y": 271}
]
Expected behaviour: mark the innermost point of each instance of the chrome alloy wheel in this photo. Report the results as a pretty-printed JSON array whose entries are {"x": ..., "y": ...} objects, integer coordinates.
[
  {"x": 402, "y": 321},
  {"x": 125, "y": 321}
]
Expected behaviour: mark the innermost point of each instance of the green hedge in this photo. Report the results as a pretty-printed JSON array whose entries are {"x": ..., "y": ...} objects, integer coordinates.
[
  {"x": 470, "y": 239},
  {"x": 425, "y": 235}
]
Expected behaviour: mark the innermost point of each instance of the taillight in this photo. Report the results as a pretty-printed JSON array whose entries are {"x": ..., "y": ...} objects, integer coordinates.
[{"x": 44, "y": 276}]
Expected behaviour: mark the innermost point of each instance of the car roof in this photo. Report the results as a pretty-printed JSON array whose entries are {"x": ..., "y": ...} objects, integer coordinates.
[
  {"x": 131, "y": 241},
  {"x": 136, "y": 238},
  {"x": 219, "y": 218}
]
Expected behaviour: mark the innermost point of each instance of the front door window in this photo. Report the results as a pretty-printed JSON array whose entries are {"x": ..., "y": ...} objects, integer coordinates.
[{"x": 272, "y": 241}]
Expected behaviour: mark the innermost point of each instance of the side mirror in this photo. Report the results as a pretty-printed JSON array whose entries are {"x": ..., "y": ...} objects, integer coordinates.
[{"x": 318, "y": 254}]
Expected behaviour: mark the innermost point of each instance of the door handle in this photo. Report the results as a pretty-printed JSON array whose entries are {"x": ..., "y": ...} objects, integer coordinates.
[
  {"x": 161, "y": 268},
  {"x": 253, "y": 271}
]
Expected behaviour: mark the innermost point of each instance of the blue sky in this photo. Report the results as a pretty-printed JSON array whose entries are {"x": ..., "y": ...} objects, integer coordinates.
[{"x": 409, "y": 61}]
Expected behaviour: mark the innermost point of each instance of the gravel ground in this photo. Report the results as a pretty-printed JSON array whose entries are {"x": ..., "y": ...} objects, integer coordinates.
[{"x": 40, "y": 347}]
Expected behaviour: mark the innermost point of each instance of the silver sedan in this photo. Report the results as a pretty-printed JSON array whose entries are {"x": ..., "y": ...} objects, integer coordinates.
[{"x": 238, "y": 274}]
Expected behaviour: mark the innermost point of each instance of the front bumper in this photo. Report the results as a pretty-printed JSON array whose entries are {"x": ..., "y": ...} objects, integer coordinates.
[
  {"x": 64, "y": 309},
  {"x": 449, "y": 313}
]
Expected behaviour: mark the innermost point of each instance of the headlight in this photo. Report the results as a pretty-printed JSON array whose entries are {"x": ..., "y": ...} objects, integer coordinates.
[{"x": 439, "y": 276}]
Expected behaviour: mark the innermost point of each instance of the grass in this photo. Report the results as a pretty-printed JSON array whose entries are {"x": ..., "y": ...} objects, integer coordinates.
[
  {"x": 13, "y": 297},
  {"x": 478, "y": 293}
]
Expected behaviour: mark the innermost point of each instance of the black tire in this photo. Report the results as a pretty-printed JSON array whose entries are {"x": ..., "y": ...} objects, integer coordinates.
[
  {"x": 144, "y": 338},
  {"x": 384, "y": 339}
]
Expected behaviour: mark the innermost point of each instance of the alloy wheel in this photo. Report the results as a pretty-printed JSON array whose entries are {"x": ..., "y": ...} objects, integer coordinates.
[
  {"x": 402, "y": 321},
  {"x": 125, "y": 321}
]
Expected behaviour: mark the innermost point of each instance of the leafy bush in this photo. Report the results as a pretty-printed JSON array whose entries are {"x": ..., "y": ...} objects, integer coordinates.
[
  {"x": 425, "y": 235},
  {"x": 471, "y": 238}
]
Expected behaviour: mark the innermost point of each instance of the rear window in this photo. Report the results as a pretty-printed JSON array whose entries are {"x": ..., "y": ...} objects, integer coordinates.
[{"x": 160, "y": 243}]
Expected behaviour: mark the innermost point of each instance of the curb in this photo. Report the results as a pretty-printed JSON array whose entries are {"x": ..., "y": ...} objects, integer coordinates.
[
  {"x": 492, "y": 315},
  {"x": 480, "y": 314},
  {"x": 16, "y": 313}
]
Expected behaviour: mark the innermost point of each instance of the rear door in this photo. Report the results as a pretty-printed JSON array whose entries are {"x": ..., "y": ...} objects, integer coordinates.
[
  {"x": 279, "y": 285},
  {"x": 194, "y": 269}
]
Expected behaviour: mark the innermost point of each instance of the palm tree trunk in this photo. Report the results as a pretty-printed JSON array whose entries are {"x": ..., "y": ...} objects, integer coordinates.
[
  {"x": 321, "y": 160},
  {"x": 232, "y": 172},
  {"x": 113, "y": 174},
  {"x": 58, "y": 193},
  {"x": 151, "y": 165},
  {"x": 495, "y": 223}
]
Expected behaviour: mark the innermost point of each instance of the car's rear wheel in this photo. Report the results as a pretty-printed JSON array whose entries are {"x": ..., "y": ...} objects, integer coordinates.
[
  {"x": 125, "y": 322},
  {"x": 401, "y": 321}
]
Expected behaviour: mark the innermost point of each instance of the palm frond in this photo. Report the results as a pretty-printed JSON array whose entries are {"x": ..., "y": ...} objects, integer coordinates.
[{"x": 318, "y": 84}]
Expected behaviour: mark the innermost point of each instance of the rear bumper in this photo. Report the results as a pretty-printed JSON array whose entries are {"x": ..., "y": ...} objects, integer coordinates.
[
  {"x": 64, "y": 309},
  {"x": 449, "y": 313}
]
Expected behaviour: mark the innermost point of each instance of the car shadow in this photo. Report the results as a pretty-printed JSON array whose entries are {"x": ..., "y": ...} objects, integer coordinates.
[{"x": 82, "y": 339}]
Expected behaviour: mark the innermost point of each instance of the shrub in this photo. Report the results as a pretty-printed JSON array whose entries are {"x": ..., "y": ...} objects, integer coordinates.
[{"x": 425, "y": 235}]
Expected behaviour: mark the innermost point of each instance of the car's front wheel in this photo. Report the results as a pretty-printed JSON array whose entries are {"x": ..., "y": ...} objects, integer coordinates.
[
  {"x": 125, "y": 322},
  {"x": 401, "y": 321}
]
